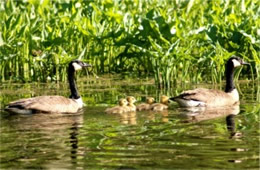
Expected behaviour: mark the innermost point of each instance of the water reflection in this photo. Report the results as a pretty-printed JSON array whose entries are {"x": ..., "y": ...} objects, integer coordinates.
[
  {"x": 74, "y": 141},
  {"x": 152, "y": 115},
  {"x": 231, "y": 126},
  {"x": 44, "y": 137},
  {"x": 128, "y": 118},
  {"x": 131, "y": 118},
  {"x": 175, "y": 138},
  {"x": 198, "y": 114}
]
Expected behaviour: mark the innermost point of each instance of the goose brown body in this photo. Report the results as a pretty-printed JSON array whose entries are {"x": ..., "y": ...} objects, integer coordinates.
[
  {"x": 207, "y": 97},
  {"x": 46, "y": 104}
]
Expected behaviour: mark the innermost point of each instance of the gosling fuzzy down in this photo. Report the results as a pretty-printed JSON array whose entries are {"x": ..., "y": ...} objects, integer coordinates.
[
  {"x": 145, "y": 106},
  {"x": 131, "y": 106},
  {"x": 122, "y": 108},
  {"x": 163, "y": 105}
]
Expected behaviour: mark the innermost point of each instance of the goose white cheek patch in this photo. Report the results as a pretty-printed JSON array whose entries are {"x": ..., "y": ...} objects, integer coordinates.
[
  {"x": 236, "y": 63},
  {"x": 76, "y": 66}
]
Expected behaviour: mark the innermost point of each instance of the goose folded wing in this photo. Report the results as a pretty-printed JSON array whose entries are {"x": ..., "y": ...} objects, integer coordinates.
[
  {"x": 209, "y": 96},
  {"x": 47, "y": 104}
]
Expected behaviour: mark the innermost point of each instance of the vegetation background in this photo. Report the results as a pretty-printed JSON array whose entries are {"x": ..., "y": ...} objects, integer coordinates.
[{"x": 172, "y": 41}]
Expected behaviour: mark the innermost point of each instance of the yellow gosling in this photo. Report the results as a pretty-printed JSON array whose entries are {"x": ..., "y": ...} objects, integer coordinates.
[
  {"x": 145, "y": 106},
  {"x": 131, "y": 100},
  {"x": 122, "y": 108},
  {"x": 163, "y": 105}
]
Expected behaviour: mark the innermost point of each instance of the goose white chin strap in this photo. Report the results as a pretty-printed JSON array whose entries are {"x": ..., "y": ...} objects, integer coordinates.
[
  {"x": 76, "y": 66},
  {"x": 236, "y": 63}
]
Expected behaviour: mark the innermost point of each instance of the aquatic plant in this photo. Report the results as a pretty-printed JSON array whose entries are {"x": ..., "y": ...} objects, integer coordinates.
[{"x": 172, "y": 41}]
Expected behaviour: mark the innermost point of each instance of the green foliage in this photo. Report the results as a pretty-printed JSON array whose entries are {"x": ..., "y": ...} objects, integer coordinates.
[{"x": 174, "y": 41}]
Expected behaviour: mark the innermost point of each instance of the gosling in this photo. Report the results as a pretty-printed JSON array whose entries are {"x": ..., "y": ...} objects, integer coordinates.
[
  {"x": 131, "y": 100},
  {"x": 163, "y": 105},
  {"x": 145, "y": 106},
  {"x": 122, "y": 108}
]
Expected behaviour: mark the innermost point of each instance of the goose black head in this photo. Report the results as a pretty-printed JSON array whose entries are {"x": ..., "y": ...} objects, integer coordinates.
[
  {"x": 78, "y": 65},
  {"x": 235, "y": 61}
]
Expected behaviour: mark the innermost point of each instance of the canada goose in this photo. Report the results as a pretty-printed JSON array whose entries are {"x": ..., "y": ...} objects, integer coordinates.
[
  {"x": 57, "y": 104},
  {"x": 163, "y": 105},
  {"x": 214, "y": 98},
  {"x": 131, "y": 100},
  {"x": 122, "y": 108},
  {"x": 145, "y": 106}
]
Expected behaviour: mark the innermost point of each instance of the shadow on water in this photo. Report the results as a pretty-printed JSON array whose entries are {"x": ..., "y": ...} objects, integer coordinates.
[{"x": 176, "y": 138}]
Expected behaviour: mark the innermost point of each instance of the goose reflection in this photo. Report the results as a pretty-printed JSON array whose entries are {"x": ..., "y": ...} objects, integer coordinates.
[
  {"x": 198, "y": 114},
  {"x": 231, "y": 126},
  {"x": 55, "y": 133}
]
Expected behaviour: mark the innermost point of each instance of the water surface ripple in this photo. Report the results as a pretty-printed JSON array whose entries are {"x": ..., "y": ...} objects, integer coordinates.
[{"x": 179, "y": 138}]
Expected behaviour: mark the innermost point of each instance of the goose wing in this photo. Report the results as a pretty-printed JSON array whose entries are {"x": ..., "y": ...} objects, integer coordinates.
[
  {"x": 210, "y": 97},
  {"x": 58, "y": 104}
]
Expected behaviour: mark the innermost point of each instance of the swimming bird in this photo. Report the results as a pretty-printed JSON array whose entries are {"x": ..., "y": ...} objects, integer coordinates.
[
  {"x": 145, "y": 106},
  {"x": 131, "y": 100},
  {"x": 210, "y": 97},
  {"x": 57, "y": 104},
  {"x": 163, "y": 105},
  {"x": 122, "y": 108}
]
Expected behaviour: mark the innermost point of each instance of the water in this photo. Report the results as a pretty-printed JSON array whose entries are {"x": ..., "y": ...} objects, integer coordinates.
[{"x": 179, "y": 138}]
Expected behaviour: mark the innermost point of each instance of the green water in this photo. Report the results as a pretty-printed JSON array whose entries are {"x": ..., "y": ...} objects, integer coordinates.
[{"x": 178, "y": 138}]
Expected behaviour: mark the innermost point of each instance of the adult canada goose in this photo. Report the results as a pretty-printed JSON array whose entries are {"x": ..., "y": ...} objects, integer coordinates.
[
  {"x": 57, "y": 104},
  {"x": 145, "y": 106},
  {"x": 131, "y": 100},
  {"x": 122, "y": 108},
  {"x": 163, "y": 105},
  {"x": 213, "y": 98}
]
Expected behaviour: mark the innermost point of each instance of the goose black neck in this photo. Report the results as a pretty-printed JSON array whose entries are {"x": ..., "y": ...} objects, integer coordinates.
[
  {"x": 229, "y": 78},
  {"x": 72, "y": 83}
]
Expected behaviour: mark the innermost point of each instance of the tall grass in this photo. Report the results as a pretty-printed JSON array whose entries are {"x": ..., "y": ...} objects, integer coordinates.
[{"x": 173, "y": 41}]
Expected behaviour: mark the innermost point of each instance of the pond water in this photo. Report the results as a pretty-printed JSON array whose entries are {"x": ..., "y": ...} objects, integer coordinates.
[{"x": 178, "y": 138}]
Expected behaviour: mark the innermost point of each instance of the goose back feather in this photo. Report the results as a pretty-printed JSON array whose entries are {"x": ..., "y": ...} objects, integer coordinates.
[
  {"x": 206, "y": 97},
  {"x": 46, "y": 104}
]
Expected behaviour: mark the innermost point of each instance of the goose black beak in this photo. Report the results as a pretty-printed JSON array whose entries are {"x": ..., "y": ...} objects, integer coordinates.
[
  {"x": 86, "y": 65},
  {"x": 245, "y": 63},
  {"x": 172, "y": 99}
]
